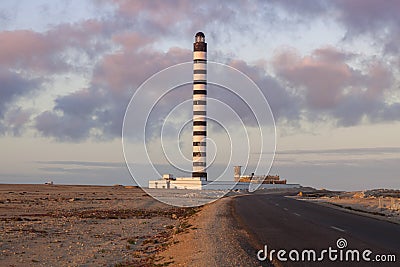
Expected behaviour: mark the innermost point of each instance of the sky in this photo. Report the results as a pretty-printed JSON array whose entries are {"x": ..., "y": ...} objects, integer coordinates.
[{"x": 330, "y": 71}]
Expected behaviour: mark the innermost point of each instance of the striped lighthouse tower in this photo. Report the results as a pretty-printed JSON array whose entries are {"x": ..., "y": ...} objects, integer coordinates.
[{"x": 199, "y": 107}]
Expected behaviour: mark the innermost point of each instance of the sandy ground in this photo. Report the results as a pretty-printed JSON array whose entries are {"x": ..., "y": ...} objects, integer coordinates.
[
  {"x": 56, "y": 225},
  {"x": 379, "y": 203},
  {"x": 213, "y": 239}
]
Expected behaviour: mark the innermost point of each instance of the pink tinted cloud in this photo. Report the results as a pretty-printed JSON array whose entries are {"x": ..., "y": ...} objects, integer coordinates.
[
  {"x": 331, "y": 54},
  {"x": 378, "y": 79},
  {"x": 30, "y": 50},
  {"x": 159, "y": 18},
  {"x": 132, "y": 40},
  {"x": 336, "y": 89},
  {"x": 78, "y": 33},
  {"x": 26, "y": 54},
  {"x": 322, "y": 75},
  {"x": 130, "y": 67},
  {"x": 102, "y": 105},
  {"x": 154, "y": 17},
  {"x": 372, "y": 18}
]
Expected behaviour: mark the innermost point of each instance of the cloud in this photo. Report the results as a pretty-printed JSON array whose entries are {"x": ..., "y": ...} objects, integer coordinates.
[
  {"x": 13, "y": 88},
  {"x": 121, "y": 55},
  {"x": 344, "y": 151},
  {"x": 98, "y": 110},
  {"x": 25, "y": 48},
  {"x": 85, "y": 163},
  {"x": 322, "y": 79},
  {"x": 45, "y": 52},
  {"x": 332, "y": 87},
  {"x": 362, "y": 16},
  {"x": 162, "y": 19},
  {"x": 285, "y": 105},
  {"x": 78, "y": 103},
  {"x": 17, "y": 119},
  {"x": 304, "y": 8},
  {"x": 73, "y": 116},
  {"x": 4, "y": 17},
  {"x": 128, "y": 68},
  {"x": 63, "y": 127},
  {"x": 375, "y": 19},
  {"x": 28, "y": 59},
  {"x": 120, "y": 50},
  {"x": 322, "y": 83}
]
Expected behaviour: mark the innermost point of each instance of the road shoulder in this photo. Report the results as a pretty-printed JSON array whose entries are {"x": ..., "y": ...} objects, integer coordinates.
[{"x": 214, "y": 239}]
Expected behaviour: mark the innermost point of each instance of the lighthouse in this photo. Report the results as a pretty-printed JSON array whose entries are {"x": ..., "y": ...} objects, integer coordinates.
[
  {"x": 198, "y": 179},
  {"x": 199, "y": 107}
]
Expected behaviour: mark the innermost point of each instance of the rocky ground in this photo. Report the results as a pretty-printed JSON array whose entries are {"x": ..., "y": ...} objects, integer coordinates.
[{"x": 58, "y": 225}]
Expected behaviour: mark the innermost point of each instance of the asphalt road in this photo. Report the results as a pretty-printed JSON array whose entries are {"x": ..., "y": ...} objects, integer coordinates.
[{"x": 285, "y": 223}]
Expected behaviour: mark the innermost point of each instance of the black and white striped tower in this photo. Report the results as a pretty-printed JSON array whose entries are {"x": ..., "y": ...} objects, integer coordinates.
[{"x": 199, "y": 106}]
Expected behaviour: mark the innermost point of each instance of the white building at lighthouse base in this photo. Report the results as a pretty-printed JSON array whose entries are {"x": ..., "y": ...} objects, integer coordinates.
[
  {"x": 178, "y": 183},
  {"x": 201, "y": 184}
]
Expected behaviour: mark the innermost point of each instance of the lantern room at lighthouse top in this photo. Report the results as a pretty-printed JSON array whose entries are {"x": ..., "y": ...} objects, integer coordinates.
[
  {"x": 200, "y": 42},
  {"x": 200, "y": 38}
]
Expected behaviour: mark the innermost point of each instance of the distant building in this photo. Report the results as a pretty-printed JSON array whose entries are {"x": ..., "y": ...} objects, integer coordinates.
[{"x": 258, "y": 179}]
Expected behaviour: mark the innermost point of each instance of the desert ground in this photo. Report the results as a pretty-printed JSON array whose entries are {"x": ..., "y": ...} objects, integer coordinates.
[
  {"x": 68, "y": 225},
  {"x": 71, "y": 225},
  {"x": 62, "y": 225}
]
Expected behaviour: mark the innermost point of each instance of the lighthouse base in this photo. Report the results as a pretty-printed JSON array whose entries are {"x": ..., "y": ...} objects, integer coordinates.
[
  {"x": 201, "y": 184},
  {"x": 179, "y": 183}
]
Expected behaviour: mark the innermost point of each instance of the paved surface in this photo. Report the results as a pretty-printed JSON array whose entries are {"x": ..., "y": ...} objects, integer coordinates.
[{"x": 285, "y": 223}]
